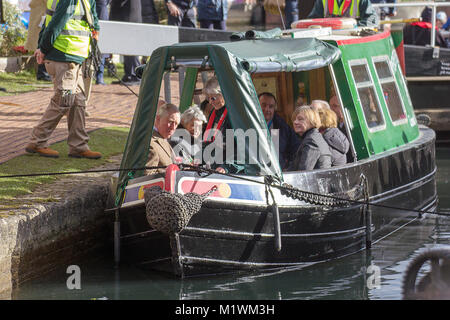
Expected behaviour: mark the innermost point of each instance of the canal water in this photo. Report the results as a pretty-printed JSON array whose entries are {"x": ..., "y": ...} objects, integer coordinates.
[{"x": 374, "y": 275}]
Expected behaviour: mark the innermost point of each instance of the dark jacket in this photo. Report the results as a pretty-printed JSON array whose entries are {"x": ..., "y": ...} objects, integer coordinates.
[
  {"x": 140, "y": 11},
  {"x": 386, "y": 10},
  {"x": 287, "y": 139},
  {"x": 313, "y": 152},
  {"x": 419, "y": 34},
  {"x": 339, "y": 145},
  {"x": 212, "y": 10},
  {"x": 184, "y": 4}
]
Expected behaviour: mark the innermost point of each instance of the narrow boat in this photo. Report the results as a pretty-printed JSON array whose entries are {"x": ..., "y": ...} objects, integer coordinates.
[{"x": 264, "y": 218}]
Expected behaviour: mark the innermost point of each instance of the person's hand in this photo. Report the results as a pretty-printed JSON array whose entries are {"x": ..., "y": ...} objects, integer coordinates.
[
  {"x": 39, "y": 56},
  {"x": 173, "y": 9},
  {"x": 220, "y": 170},
  {"x": 95, "y": 34}
]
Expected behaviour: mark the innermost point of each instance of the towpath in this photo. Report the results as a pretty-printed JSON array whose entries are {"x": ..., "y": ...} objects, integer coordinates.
[{"x": 110, "y": 105}]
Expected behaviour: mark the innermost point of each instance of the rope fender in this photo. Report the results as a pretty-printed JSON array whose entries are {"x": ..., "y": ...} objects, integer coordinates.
[{"x": 171, "y": 212}]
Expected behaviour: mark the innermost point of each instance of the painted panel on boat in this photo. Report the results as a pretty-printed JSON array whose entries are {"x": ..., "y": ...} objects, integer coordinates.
[
  {"x": 134, "y": 193},
  {"x": 227, "y": 190}
]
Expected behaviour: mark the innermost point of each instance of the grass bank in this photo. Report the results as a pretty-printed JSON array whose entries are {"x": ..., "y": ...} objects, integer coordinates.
[
  {"x": 24, "y": 81},
  {"x": 109, "y": 141}
]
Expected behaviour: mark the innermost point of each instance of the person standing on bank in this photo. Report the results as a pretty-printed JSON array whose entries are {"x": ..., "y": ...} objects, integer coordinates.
[
  {"x": 102, "y": 14},
  {"x": 138, "y": 11},
  {"x": 290, "y": 12},
  {"x": 63, "y": 46},
  {"x": 212, "y": 14},
  {"x": 181, "y": 13},
  {"x": 361, "y": 10},
  {"x": 37, "y": 14}
]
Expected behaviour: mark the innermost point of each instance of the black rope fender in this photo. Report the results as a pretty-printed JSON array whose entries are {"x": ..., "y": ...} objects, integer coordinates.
[{"x": 170, "y": 212}]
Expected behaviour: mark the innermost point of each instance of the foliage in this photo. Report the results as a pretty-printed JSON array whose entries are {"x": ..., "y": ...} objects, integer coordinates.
[
  {"x": 161, "y": 8},
  {"x": 13, "y": 32}
]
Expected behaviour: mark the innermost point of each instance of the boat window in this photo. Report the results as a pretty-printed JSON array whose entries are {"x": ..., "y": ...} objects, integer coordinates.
[
  {"x": 367, "y": 95},
  {"x": 390, "y": 91}
]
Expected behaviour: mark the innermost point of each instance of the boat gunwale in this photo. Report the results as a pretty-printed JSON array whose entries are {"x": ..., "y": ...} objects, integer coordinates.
[{"x": 419, "y": 143}]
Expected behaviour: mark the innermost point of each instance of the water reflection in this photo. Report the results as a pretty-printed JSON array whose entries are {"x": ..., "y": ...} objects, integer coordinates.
[{"x": 345, "y": 278}]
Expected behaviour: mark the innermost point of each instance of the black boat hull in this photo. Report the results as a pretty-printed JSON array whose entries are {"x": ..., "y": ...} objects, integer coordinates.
[{"x": 229, "y": 236}]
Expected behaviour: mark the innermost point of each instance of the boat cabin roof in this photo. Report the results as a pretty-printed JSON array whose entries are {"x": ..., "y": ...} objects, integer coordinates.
[{"x": 363, "y": 72}]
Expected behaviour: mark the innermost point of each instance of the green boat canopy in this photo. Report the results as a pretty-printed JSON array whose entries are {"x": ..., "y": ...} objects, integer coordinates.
[{"x": 232, "y": 62}]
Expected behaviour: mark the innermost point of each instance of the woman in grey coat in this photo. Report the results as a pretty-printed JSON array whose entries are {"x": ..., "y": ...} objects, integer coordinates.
[
  {"x": 336, "y": 139},
  {"x": 313, "y": 152}
]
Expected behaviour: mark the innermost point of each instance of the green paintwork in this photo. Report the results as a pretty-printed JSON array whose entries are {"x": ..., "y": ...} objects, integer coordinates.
[
  {"x": 369, "y": 143},
  {"x": 188, "y": 88},
  {"x": 227, "y": 59}
]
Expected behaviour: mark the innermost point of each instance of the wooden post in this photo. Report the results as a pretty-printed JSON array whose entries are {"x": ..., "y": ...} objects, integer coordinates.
[{"x": 116, "y": 238}]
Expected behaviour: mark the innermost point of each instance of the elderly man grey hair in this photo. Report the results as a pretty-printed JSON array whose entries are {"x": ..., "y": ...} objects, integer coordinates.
[{"x": 165, "y": 109}]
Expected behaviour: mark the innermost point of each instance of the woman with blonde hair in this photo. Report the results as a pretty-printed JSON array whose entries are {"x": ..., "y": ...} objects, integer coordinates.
[
  {"x": 336, "y": 139},
  {"x": 313, "y": 152}
]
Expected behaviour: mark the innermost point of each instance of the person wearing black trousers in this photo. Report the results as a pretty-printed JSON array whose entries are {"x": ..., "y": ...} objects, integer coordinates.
[
  {"x": 140, "y": 11},
  {"x": 102, "y": 13}
]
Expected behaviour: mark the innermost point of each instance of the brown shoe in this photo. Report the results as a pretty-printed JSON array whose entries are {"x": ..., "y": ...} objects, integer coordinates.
[
  {"x": 86, "y": 154},
  {"x": 45, "y": 152}
]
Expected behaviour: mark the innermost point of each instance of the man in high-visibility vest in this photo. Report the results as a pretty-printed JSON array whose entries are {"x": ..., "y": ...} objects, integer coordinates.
[
  {"x": 64, "y": 44},
  {"x": 361, "y": 10}
]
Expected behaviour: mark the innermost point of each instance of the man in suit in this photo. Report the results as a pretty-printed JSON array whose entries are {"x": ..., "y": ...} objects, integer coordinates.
[
  {"x": 161, "y": 153},
  {"x": 288, "y": 141}
]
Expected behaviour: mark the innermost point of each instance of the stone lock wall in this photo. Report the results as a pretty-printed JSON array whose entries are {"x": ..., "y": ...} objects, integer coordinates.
[{"x": 40, "y": 238}]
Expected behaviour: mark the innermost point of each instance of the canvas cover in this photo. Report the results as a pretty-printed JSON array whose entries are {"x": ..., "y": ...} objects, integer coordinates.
[{"x": 228, "y": 60}]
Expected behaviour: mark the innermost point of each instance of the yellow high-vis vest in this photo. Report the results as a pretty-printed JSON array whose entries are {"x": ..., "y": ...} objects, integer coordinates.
[
  {"x": 75, "y": 38},
  {"x": 348, "y": 8}
]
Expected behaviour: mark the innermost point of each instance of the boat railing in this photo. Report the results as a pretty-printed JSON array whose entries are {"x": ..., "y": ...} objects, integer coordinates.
[{"x": 432, "y": 5}]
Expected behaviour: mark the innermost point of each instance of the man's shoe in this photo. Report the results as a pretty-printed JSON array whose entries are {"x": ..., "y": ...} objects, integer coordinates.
[
  {"x": 129, "y": 81},
  {"x": 45, "y": 152},
  {"x": 86, "y": 154},
  {"x": 43, "y": 78},
  {"x": 42, "y": 73}
]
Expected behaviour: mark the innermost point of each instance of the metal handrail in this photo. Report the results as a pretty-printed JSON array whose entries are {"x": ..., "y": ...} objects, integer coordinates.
[{"x": 433, "y": 6}]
